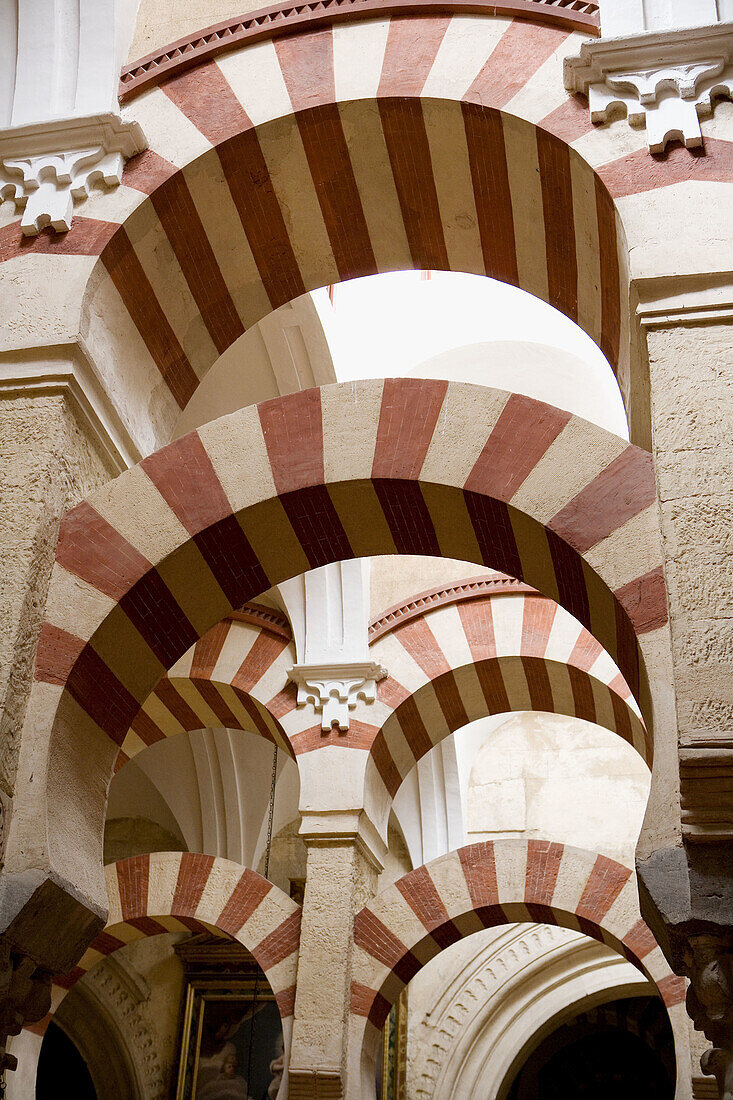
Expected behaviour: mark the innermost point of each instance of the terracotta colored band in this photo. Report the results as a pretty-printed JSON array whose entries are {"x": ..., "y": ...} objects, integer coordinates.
[{"x": 281, "y": 19}]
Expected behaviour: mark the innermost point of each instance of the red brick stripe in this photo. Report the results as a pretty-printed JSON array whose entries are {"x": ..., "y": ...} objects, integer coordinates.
[
  {"x": 478, "y": 625},
  {"x": 557, "y": 206},
  {"x": 672, "y": 990},
  {"x": 206, "y": 98},
  {"x": 193, "y": 874},
  {"x": 246, "y": 896},
  {"x": 418, "y": 890},
  {"x": 184, "y": 476},
  {"x": 412, "y": 46},
  {"x": 147, "y": 171},
  {"x": 543, "y": 866},
  {"x": 404, "y": 130},
  {"x": 645, "y": 601},
  {"x": 569, "y": 121},
  {"x": 479, "y": 870},
  {"x": 87, "y": 237},
  {"x": 521, "y": 436},
  {"x": 519, "y": 53},
  {"x": 491, "y": 190},
  {"x": 418, "y": 640},
  {"x": 605, "y": 883},
  {"x": 93, "y": 550},
  {"x": 263, "y": 654},
  {"x": 621, "y": 491},
  {"x": 377, "y": 940},
  {"x": 212, "y": 697},
  {"x": 640, "y": 940},
  {"x": 610, "y": 276},
  {"x": 293, "y": 431},
  {"x": 407, "y": 420},
  {"x": 56, "y": 654},
  {"x": 133, "y": 286},
  {"x": 538, "y": 615},
  {"x": 101, "y": 695},
  {"x": 385, "y": 765},
  {"x": 208, "y": 649},
  {"x": 132, "y": 880},
  {"x": 637, "y": 172},
  {"x": 413, "y": 728},
  {"x": 367, "y": 1002},
  {"x": 306, "y": 61},
  {"x": 281, "y": 943},
  {"x": 183, "y": 227}
]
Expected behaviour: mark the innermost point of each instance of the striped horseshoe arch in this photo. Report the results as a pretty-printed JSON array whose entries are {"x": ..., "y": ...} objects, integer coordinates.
[
  {"x": 485, "y": 885},
  {"x": 154, "y": 559},
  {"x": 184, "y": 891},
  {"x": 235, "y": 677},
  {"x": 286, "y": 165},
  {"x": 488, "y": 656}
]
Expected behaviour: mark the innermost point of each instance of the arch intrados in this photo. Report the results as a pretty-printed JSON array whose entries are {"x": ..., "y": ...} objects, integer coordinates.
[
  {"x": 164, "y": 892},
  {"x": 498, "y": 685},
  {"x": 482, "y": 886}
]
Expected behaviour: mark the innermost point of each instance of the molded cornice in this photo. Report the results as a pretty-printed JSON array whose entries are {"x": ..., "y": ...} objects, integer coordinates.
[{"x": 282, "y": 19}]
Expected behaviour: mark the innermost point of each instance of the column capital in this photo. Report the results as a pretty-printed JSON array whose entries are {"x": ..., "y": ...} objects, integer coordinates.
[{"x": 331, "y": 828}]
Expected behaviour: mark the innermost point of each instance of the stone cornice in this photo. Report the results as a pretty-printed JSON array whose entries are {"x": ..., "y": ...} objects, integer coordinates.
[
  {"x": 281, "y": 19},
  {"x": 475, "y": 588},
  {"x": 62, "y": 370},
  {"x": 685, "y": 299},
  {"x": 258, "y": 614}
]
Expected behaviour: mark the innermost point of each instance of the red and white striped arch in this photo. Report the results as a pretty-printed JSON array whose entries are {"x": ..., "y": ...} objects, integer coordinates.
[
  {"x": 154, "y": 559},
  {"x": 235, "y": 676},
  {"x": 488, "y": 884},
  {"x": 487, "y": 656},
  {"x": 185, "y": 891},
  {"x": 434, "y": 142}
]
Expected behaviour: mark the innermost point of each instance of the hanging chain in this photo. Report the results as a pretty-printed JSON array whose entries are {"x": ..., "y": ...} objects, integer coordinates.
[{"x": 268, "y": 848}]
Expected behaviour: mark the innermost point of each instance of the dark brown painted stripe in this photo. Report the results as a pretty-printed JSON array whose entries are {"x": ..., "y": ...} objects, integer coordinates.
[
  {"x": 317, "y": 526},
  {"x": 521, "y": 436},
  {"x": 90, "y": 548},
  {"x": 411, "y": 49},
  {"x": 408, "y": 148},
  {"x": 132, "y": 879},
  {"x": 101, "y": 695},
  {"x": 517, "y": 56},
  {"x": 494, "y": 533},
  {"x": 538, "y": 683},
  {"x": 582, "y": 689},
  {"x": 248, "y": 177},
  {"x": 491, "y": 681},
  {"x": 624, "y": 489},
  {"x": 408, "y": 517},
  {"x": 259, "y": 724},
  {"x": 627, "y": 646},
  {"x": 413, "y": 728},
  {"x": 193, "y": 874},
  {"x": 407, "y": 418},
  {"x": 133, "y": 286},
  {"x": 338, "y": 195},
  {"x": 557, "y": 208},
  {"x": 571, "y": 587},
  {"x": 385, "y": 765},
  {"x": 543, "y": 865},
  {"x": 171, "y": 698},
  {"x": 146, "y": 729},
  {"x": 183, "y": 227},
  {"x": 292, "y": 428},
  {"x": 306, "y": 61},
  {"x": 645, "y": 601},
  {"x": 492, "y": 193},
  {"x": 211, "y": 696},
  {"x": 610, "y": 273},
  {"x": 622, "y": 721},
  {"x": 158, "y": 617},
  {"x": 205, "y": 96},
  {"x": 450, "y": 702}
]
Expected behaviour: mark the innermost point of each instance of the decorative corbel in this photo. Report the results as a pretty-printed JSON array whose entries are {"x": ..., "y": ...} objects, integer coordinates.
[
  {"x": 334, "y": 689},
  {"x": 708, "y": 962}
]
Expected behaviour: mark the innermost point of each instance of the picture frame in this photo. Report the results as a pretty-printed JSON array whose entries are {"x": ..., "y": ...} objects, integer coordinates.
[{"x": 231, "y": 1040}]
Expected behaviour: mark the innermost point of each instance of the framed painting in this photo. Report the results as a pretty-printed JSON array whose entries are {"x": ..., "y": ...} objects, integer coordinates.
[{"x": 232, "y": 1042}]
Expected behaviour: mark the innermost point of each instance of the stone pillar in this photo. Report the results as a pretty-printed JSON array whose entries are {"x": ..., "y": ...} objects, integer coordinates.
[
  {"x": 342, "y": 870},
  {"x": 685, "y": 859}
]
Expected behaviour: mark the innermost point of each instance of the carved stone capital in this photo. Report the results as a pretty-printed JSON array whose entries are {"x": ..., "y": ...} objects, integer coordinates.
[
  {"x": 25, "y": 998},
  {"x": 708, "y": 962},
  {"x": 45, "y": 166},
  {"x": 334, "y": 689},
  {"x": 666, "y": 81}
]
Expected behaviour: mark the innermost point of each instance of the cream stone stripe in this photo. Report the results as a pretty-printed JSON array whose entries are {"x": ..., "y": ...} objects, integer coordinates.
[
  {"x": 545, "y": 91},
  {"x": 467, "y": 44},
  {"x": 358, "y": 56},
  {"x": 526, "y": 190},
  {"x": 169, "y": 131},
  {"x": 587, "y": 246},
  {"x": 452, "y": 175},
  {"x": 255, "y": 77}
]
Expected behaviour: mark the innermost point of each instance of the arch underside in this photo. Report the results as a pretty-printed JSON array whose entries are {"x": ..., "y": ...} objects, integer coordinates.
[{"x": 488, "y": 884}]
